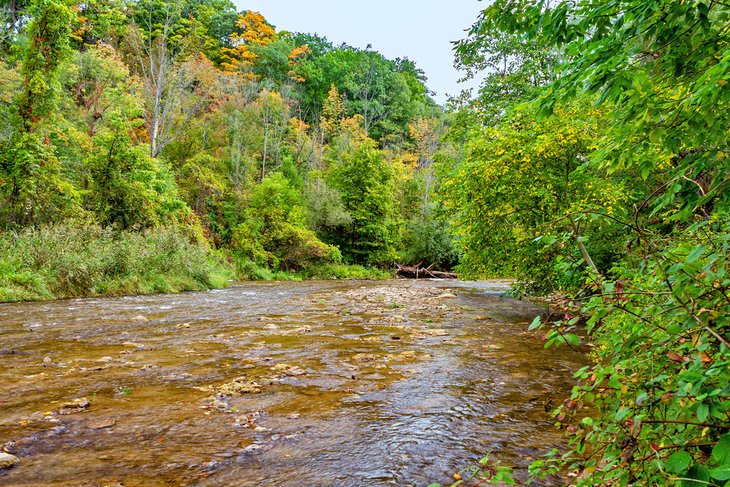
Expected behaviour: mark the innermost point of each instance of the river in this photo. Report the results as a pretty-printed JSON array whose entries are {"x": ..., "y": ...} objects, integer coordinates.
[{"x": 337, "y": 383}]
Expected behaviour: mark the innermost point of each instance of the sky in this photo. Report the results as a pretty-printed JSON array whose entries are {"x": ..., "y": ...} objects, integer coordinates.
[{"x": 421, "y": 30}]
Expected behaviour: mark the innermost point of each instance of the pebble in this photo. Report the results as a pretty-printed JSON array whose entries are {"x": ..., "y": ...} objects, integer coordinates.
[
  {"x": 7, "y": 460},
  {"x": 139, "y": 318}
]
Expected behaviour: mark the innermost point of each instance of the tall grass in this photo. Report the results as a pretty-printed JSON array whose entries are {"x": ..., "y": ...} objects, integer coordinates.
[{"x": 70, "y": 261}]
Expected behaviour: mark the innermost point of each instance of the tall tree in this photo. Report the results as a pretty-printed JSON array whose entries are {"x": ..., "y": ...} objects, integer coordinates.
[{"x": 33, "y": 189}]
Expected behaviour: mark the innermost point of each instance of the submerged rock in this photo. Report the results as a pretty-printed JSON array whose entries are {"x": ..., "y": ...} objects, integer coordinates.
[
  {"x": 289, "y": 370},
  {"x": 75, "y": 406},
  {"x": 364, "y": 357},
  {"x": 7, "y": 460},
  {"x": 435, "y": 332},
  {"x": 99, "y": 425},
  {"x": 446, "y": 296},
  {"x": 139, "y": 318},
  {"x": 239, "y": 386}
]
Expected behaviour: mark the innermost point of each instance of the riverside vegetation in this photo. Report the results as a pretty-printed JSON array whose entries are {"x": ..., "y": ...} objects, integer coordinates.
[
  {"x": 258, "y": 153},
  {"x": 591, "y": 165}
]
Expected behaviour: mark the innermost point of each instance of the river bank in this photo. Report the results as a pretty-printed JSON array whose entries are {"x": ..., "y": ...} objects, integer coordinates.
[{"x": 65, "y": 262}]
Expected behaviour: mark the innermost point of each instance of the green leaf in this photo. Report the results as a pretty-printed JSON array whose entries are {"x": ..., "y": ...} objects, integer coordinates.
[
  {"x": 721, "y": 473},
  {"x": 678, "y": 462},
  {"x": 702, "y": 411},
  {"x": 721, "y": 451},
  {"x": 572, "y": 339},
  {"x": 536, "y": 323},
  {"x": 695, "y": 254},
  {"x": 696, "y": 477}
]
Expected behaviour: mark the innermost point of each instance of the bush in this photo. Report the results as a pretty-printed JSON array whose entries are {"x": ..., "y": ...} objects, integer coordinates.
[
  {"x": 429, "y": 241},
  {"x": 70, "y": 261},
  {"x": 274, "y": 235}
]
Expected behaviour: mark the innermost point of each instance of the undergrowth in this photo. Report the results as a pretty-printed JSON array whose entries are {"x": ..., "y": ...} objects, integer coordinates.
[{"x": 70, "y": 261}]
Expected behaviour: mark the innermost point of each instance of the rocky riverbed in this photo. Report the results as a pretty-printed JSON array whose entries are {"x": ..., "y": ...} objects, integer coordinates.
[{"x": 315, "y": 383}]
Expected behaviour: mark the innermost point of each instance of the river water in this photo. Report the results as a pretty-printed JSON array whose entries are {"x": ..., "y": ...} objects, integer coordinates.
[{"x": 338, "y": 383}]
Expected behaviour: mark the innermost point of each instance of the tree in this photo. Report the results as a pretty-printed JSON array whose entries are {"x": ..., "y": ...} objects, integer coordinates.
[
  {"x": 365, "y": 181},
  {"x": 32, "y": 188},
  {"x": 172, "y": 78},
  {"x": 274, "y": 116},
  {"x": 524, "y": 179},
  {"x": 254, "y": 31},
  {"x": 274, "y": 234}
]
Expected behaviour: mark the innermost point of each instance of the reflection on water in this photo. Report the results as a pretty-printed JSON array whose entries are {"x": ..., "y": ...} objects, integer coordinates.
[{"x": 362, "y": 383}]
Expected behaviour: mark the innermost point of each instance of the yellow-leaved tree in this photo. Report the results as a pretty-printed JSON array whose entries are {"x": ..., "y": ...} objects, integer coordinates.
[{"x": 255, "y": 31}]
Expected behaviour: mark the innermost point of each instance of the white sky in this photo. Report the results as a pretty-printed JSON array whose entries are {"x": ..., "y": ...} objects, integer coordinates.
[{"x": 421, "y": 30}]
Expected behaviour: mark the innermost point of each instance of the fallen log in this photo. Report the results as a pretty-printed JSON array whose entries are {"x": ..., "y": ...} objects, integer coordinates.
[{"x": 419, "y": 272}]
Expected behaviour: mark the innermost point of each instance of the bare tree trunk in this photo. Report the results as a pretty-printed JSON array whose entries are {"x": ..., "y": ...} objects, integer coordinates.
[{"x": 167, "y": 84}]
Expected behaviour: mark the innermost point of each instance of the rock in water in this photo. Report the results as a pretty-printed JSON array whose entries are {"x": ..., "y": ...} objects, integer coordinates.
[
  {"x": 99, "y": 425},
  {"x": 140, "y": 318},
  {"x": 75, "y": 406},
  {"x": 7, "y": 460},
  {"x": 239, "y": 387}
]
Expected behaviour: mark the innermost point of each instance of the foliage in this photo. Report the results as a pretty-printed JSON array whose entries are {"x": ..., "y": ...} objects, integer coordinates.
[
  {"x": 49, "y": 34},
  {"x": 485, "y": 470},
  {"x": 524, "y": 179},
  {"x": 365, "y": 181},
  {"x": 340, "y": 271},
  {"x": 72, "y": 260},
  {"x": 140, "y": 115},
  {"x": 664, "y": 397},
  {"x": 273, "y": 233},
  {"x": 429, "y": 240},
  {"x": 653, "y": 409}
]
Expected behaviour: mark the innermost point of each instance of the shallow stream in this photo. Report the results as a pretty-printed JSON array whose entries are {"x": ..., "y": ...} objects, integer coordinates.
[{"x": 339, "y": 383}]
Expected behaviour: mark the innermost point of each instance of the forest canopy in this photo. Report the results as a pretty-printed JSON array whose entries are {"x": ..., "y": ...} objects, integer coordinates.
[{"x": 141, "y": 115}]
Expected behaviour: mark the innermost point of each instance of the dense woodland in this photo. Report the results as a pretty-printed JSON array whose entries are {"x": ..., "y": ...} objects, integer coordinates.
[
  {"x": 278, "y": 151},
  {"x": 151, "y": 146}
]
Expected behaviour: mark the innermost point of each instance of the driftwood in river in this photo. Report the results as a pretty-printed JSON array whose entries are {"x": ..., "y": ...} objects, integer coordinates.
[{"x": 419, "y": 272}]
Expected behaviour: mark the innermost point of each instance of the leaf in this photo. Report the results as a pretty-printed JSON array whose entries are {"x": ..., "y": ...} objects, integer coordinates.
[
  {"x": 678, "y": 462},
  {"x": 696, "y": 477},
  {"x": 721, "y": 451},
  {"x": 695, "y": 254},
  {"x": 536, "y": 323},
  {"x": 674, "y": 357},
  {"x": 702, "y": 411},
  {"x": 721, "y": 473},
  {"x": 572, "y": 339}
]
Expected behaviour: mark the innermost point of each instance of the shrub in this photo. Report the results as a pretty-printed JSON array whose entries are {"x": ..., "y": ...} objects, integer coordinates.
[{"x": 68, "y": 261}]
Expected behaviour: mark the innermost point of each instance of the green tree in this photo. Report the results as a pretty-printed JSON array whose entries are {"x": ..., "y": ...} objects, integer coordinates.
[
  {"x": 274, "y": 232},
  {"x": 31, "y": 185},
  {"x": 366, "y": 182}
]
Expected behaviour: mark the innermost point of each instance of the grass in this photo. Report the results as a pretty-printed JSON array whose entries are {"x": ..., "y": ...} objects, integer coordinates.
[
  {"x": 71, "y": 261},
  {"x": 66, "y": 261}
]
